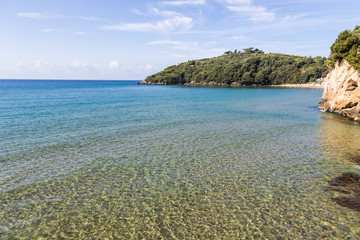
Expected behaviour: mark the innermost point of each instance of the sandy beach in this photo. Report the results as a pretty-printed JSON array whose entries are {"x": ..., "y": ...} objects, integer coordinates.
[{"x": 305, "y": 85}]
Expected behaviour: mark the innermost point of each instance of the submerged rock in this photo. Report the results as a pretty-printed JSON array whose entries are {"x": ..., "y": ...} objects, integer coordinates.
[
  {"x": 349, "y": 185},
  {"x": 342, "y": 91},
  {"x": 345, "y": 180},
  {"x": 355, "y": 158}
]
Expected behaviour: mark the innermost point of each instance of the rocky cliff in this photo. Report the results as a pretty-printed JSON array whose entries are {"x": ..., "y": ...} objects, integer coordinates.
[{"x": 342, "y": 91}]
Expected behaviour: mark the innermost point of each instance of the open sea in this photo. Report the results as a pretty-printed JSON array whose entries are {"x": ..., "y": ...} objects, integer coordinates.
[{"x": 116, "y": 160}]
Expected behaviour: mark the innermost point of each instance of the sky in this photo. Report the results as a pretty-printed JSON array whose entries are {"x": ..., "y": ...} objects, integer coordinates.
[{"x": 131, "y": 39}]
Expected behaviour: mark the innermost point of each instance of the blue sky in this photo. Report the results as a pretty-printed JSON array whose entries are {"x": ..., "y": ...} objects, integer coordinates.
[{"x": 130, "y": 39}]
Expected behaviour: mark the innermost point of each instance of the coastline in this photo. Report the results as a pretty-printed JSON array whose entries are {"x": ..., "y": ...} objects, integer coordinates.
[
  {"x": 235, "y": 84},
  {"x": 303, "y": 85}
]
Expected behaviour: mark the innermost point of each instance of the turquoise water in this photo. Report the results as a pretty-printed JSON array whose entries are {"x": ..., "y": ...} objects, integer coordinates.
[{"x": 116, "y": 160}]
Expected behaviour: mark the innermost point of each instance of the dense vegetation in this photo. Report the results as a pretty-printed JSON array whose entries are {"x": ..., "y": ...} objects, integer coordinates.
[
  {"x": 347, "y": 46},
  {"x": 248, "y": 67}
]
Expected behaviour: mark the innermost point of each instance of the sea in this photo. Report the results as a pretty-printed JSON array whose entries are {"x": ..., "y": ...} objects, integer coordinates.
[{"x": 117, "y": 160}]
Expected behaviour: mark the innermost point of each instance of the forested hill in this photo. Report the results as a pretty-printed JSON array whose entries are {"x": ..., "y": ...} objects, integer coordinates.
[{"x": 243, "y": 68}]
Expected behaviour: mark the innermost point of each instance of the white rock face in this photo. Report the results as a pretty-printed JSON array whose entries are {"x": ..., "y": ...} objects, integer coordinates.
[{"x": 342, "y": 91}]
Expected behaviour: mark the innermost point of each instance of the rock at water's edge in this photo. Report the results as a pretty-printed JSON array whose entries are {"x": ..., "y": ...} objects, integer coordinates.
[
  {"x": 342, "y": 91},
  {"x": 143, "y": 82}
]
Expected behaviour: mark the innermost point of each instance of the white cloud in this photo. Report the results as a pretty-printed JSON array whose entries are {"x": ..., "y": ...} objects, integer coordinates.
[
  {"x": 256, "y": 14},
  {"x": 114, "y": 64},
  {"x": 248, "y": 9},
  {"x": 173, "y": 24},
  {"x": 163, "y": 13},
  {"x": 34, "y": 15},
  {"x": 155, "y": 11},
  {"x": 184, "y": 2},
  {"x": 59, "y": 30},
  {"x": 148, "y": 67},
  {"x": 242, "y": 2},
  {"x": 291, "y": 18},
  {"x": 138, "y": 12}
]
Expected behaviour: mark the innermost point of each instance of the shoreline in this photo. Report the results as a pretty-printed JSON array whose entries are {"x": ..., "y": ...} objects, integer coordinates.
[
  {"x": 302, "y": 85},
  {"x": 235, "y": 84}
]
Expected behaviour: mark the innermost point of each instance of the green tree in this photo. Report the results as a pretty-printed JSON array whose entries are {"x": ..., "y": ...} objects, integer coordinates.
[{"x": 347, "y": 46}]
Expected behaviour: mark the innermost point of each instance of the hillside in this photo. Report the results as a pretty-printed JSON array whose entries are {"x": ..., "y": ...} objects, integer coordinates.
[{"x": 243, "y": 68}]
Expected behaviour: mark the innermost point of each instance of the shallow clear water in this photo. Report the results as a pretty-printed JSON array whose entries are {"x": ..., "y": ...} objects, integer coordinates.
[{"x": 97, "y": 160}]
